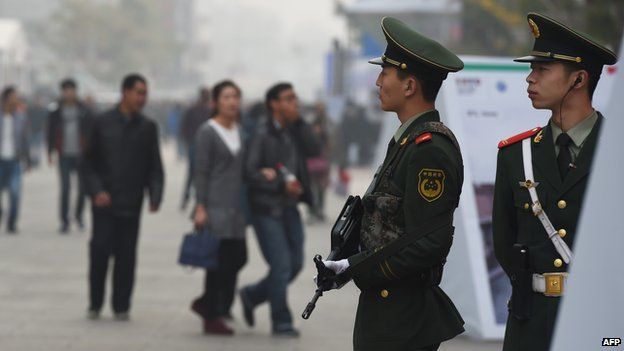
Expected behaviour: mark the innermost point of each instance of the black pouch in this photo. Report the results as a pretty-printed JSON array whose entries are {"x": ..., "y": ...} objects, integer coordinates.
[{"x": 522, "y": 283}]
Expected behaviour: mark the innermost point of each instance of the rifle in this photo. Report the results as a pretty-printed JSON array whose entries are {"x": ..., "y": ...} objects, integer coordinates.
[{"x": 345, "y": 242}]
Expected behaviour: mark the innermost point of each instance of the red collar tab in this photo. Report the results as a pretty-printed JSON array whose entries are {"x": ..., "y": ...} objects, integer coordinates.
[{"x": 423, "y": 138}]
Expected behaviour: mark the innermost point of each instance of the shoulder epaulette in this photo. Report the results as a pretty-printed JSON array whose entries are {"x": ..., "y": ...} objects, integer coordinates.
[
  {"x": 516, "y": 138},
  {"x": 424, "y": 132},
  {"x": 424, "y": 137}
]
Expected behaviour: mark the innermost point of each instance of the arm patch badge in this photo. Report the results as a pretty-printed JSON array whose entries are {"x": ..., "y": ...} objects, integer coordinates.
[{"x": 431, "y": 183}]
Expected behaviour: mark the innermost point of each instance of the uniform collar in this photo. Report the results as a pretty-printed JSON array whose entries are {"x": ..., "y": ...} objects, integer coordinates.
[
  {"x": 579, "y": 132},
  {"x": 405, "y": 126},
  {"x": 545, "y": 159}
]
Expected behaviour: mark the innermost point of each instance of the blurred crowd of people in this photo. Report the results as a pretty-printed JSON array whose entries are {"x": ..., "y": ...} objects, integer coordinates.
[
  {"x": 247, "y": 165},
  {"x": 346, "y": 141}
]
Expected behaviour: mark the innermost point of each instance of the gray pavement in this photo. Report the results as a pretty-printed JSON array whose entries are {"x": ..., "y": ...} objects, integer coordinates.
[{"x": 43, "y": 286}]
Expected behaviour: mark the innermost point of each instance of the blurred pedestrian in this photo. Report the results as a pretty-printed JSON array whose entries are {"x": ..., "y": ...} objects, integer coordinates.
[
  {"x": 37, "y": 116},
  {"x": 194, "y": 117},
  {"x": 173, "y": 121},
  {"x": 68, "y": 126},
  {"x": 91, "y": 104},
  {"x": 356, "y": 132},
  {"x": 121, "y": 162},
  {"x": 278, "y": 180},
  {"x": 318, "y": 166},
  {"x": 14, "y": 150},
  {"x": 256, "y": 114},
  {"x": 218, "y": 182}
]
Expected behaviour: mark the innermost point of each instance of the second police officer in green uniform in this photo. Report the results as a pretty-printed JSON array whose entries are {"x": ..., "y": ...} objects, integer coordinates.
[
  {"x": 409, "y": 206},
  {"x": 541, "y": 179}
]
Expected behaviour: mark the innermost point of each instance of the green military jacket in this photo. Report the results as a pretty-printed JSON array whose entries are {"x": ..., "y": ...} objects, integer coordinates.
[
  {"x": 394, "y": 313},
  {"x": 514, "y": 222}
]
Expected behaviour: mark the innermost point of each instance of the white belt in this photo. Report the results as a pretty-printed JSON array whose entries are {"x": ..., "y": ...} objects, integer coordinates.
[
  {"x": 550, "y": 284},
  {"x": 560, "y": 245}
]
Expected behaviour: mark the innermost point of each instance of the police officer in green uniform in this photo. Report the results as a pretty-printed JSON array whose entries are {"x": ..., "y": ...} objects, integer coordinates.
[
  {"x": 406, "y": 230},
  {"x": 541, "y": 179}
]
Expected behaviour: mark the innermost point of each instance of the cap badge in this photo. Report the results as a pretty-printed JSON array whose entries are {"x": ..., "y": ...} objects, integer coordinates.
[{"x": 534, "y": 28}]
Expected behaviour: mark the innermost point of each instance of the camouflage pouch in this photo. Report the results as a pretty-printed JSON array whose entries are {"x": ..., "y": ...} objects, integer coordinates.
[{"x": 380, "y": 220}]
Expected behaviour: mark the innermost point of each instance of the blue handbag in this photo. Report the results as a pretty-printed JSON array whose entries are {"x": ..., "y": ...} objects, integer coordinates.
[{"x": 200, "y": 249}]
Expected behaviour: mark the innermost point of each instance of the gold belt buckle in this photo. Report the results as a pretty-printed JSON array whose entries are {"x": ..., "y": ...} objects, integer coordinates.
[{"x": 554, "y": 283}]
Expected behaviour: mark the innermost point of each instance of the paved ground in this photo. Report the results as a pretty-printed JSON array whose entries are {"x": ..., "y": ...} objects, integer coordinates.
[{"x": 43, "y": 287}]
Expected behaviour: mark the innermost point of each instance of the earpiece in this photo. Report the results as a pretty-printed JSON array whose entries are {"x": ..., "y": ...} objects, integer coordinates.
[{"x": 578, "y": 80}]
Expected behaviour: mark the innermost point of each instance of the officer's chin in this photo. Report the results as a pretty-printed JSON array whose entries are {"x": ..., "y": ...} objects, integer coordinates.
[
  {"x": 539, "y": 105},
  {"x": 384, "y": 106}
]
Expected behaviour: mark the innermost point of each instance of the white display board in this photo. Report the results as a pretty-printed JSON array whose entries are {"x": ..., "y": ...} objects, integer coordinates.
[{"x": 483, "y": 104}]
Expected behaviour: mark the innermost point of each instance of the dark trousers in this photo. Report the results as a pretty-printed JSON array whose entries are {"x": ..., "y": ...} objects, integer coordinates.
[
  {"x": 113, "y": 236},
  {"x": 434, "y": 347},
  {"x": 67, "y": 166},
  {"x": 11, "y": 180},
  {"x": 281, "y": 242},
  {"x": 318, "y": 186},
  {"x": 220, "y": 283},
  {"x": 188, "y": 183}
]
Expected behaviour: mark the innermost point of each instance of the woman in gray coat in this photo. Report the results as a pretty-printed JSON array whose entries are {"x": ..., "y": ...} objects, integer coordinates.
[{"x": 218, "y": 182}]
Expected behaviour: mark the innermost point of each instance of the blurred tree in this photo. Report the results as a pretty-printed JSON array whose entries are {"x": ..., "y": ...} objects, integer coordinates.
[
  {"x": 489, "y": 27},
  {"x": 111, "y": 39},
  {"x": 499, "y": 27},
  {"x": 605, "y": 21}
]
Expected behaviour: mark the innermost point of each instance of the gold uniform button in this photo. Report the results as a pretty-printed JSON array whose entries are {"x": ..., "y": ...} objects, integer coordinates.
[
  {"x": 384, "y": 293},
  {"x": 526, "y": 206},
  {"x": 558, "y": 263},
  {"x": 562, "y": 232},
  {"x": 562, "y": 204}
]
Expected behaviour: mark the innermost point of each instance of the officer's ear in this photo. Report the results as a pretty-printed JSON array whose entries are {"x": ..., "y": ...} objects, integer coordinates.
[
  {"x": 410, "y": 86},
  {"x": 408, "y": 82},
  {"x": 581, "y": 79}
]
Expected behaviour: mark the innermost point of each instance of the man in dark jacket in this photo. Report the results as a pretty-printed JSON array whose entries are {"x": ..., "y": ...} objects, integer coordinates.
[
  {"x": 121, "y": 161},
  {"x": 67, "y": 130},
  {"x": 278, "y": 180}
]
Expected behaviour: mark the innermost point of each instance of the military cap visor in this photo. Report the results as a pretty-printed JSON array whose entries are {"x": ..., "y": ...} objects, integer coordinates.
[
  {"x": 376, "y": 61},
  {"x": 555, "y": 41},
  {"x": 410, "y": 51}
]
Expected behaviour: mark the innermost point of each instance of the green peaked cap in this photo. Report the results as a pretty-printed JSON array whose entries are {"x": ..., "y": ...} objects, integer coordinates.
[
  {"x": 554, "y": 41},
  {"x": 415, "y": 53}
]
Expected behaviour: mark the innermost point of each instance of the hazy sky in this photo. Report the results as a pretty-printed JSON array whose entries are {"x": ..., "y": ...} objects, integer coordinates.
[
  {"x": 259, "y": 42},
  {"x": 254, "y": 42}
]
